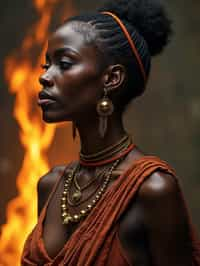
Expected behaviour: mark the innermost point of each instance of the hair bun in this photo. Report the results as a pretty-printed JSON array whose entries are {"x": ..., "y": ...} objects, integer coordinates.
[{"x": 147, "y": 16}]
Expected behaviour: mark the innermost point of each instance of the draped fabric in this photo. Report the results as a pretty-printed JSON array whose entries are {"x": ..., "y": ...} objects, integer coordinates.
[{"x": 95, "y": 242}]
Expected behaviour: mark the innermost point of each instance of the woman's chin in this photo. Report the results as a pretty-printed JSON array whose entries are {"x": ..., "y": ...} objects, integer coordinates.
[{"x": 53, "y": 119}]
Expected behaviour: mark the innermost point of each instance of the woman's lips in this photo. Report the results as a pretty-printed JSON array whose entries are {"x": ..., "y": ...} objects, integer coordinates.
[
  {"x": 44, "y": 98},
  {"x": 45, "y": 102}
]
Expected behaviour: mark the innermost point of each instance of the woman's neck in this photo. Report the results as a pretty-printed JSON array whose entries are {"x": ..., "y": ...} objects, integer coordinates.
[{"x": 90, "y": 139}]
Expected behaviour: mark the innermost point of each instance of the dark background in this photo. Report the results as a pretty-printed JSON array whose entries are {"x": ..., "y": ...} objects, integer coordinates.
[{"x": 164, "y": 122}]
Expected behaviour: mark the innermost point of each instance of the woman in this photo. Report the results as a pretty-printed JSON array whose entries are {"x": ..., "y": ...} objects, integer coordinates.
[{"x": 115, "y": 206}]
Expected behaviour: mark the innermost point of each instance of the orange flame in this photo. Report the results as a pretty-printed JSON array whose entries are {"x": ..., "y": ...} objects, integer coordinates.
[{"x": 35, "y": 136}]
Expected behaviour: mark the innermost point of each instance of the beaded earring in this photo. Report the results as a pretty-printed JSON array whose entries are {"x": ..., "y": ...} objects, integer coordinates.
[{"x": 104, "y": 109}]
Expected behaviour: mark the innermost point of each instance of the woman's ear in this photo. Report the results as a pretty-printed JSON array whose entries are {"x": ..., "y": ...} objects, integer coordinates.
[{"x": 114, "y": 77}]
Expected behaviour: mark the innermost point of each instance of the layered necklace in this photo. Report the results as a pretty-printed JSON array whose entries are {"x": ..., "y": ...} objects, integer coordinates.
[{"x": 110, "y": 156}]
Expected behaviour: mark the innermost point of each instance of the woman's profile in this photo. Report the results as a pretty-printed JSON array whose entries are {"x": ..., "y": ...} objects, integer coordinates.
[{"x": 116, "y": 205}]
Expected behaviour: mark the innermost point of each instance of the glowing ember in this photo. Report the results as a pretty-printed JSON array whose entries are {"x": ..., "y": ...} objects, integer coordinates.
[{"x": 35, "y": 136}]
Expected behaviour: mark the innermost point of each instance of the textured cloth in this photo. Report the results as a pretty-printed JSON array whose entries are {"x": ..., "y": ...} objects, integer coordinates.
[{"x": 95, "y": 241}]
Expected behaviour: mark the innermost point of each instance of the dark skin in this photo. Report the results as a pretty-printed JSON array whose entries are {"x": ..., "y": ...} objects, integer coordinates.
[{"x": 154, "y": 229}]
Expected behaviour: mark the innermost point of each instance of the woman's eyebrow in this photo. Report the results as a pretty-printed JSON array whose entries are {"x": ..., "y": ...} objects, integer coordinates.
[
  {"x": 65, "y": 50},
  {"x": 60, "y": 52}
]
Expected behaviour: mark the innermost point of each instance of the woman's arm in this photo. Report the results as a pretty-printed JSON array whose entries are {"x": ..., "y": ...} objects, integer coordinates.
[{"x": 166, "y": 220}]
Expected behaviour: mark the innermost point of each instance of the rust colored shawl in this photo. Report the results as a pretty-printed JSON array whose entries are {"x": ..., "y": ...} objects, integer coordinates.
[{"x": 95, "y": 242}]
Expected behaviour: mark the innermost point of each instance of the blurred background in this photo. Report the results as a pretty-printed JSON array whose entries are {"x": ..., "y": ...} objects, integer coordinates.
[{"x": 165, "y": 121}]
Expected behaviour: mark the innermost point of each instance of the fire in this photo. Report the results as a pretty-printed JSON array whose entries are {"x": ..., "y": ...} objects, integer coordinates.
[{"x": 22, "y": 74}]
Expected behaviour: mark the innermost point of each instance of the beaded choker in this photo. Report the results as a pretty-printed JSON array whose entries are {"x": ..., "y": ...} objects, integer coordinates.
[{"x": 109, "y": 154}]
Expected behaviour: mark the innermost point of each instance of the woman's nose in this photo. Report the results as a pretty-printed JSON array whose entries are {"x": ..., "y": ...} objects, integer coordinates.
[{"x": 45, "y": 80}]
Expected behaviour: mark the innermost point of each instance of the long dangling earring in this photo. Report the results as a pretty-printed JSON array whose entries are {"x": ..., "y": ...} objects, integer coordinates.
[
  {"x": 104, "y": 109},
  {"x": 73, "y": 130}
]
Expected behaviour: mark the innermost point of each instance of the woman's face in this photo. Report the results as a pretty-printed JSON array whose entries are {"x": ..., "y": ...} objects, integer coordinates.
[{"x": 72, "y": 81}]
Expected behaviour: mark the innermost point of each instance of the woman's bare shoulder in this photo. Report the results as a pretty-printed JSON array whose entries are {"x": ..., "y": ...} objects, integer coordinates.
[
  {"x": 158, "y": 184},
  {"x": 47, "y": 182}
]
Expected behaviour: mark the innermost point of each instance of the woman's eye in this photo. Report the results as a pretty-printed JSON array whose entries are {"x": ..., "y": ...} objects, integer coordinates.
[
  {"x": 45, "y": 66},
  {"x": 65, "y": 65}
]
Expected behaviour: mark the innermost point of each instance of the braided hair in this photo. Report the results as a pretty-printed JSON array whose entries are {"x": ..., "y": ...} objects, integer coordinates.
[{"x": 149, "y": 27}]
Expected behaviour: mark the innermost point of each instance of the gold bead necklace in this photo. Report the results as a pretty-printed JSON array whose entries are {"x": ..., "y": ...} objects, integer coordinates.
[
  {"x": 65, "y": 215},
  {"x": 76, "y": 197}
]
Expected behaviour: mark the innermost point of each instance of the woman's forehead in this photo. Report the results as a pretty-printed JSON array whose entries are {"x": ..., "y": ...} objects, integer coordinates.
[
  {"x": 66, "y": 36},
  {"x": 69, "y": 37}
]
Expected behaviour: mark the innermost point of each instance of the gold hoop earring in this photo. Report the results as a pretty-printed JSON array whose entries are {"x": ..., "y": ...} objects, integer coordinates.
[{"x": 104, "y": 109}]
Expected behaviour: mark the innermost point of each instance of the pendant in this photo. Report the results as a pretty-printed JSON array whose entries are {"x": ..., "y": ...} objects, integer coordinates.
[
  {"x": 67, "y": 219},
  {"x": 76, "y": 196}
]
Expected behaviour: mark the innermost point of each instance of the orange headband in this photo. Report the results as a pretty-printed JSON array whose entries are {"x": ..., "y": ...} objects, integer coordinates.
[{"x": 131, "y": 42}]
